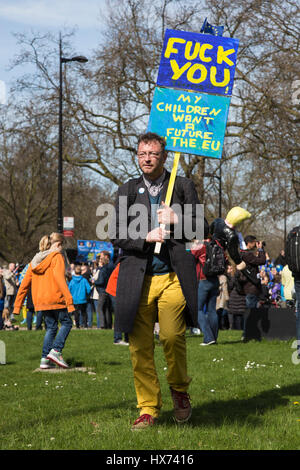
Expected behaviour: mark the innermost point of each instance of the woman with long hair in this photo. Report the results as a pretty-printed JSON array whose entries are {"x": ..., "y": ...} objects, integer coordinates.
[{"x": 50, "y": 294}]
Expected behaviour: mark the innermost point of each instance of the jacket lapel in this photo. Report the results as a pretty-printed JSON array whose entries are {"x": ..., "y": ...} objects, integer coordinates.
[
  {"x": 165, "y": 187},
  {"x": 142, "y": 194},
  {"x": 142, "y": 197}
]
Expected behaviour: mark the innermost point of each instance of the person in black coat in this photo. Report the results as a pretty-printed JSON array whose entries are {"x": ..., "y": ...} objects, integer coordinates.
[
  {"x": 254, "y": 256},
  {"x": 236, "y": 302},
  {"x": 224, "y": 230},
  {"x": 157, "y": 286},
  {"x": 281, "y": 259},
  {"x": 104, "y": 307}
]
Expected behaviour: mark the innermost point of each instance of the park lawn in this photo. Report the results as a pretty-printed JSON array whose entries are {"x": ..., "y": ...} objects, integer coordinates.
[{"x": 245, "y": 396}]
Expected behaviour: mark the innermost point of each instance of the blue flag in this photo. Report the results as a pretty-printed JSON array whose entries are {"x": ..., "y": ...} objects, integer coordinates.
[{"x": 208, "y": 28}]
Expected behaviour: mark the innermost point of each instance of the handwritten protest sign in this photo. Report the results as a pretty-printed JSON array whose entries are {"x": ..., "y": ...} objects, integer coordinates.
[
  {"x": 200, "y": 62},
  {"x": 194, "y": 85},
  {"x": 191, "y": 122}
]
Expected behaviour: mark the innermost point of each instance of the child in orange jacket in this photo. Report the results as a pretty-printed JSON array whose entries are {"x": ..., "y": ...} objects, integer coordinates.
[{"x": 50, "y": 294}]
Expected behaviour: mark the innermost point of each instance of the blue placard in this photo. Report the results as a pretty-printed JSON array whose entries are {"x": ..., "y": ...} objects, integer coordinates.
[
  {"x": 87, "y": 250},
  {"x": 191, "y": 122},
  {"x": 198, "y": 62}
]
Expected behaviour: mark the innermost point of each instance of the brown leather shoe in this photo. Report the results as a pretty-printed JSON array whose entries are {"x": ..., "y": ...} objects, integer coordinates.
[
  {"x": 144, "y": 421},
  {"x": 182, "y": 406}
]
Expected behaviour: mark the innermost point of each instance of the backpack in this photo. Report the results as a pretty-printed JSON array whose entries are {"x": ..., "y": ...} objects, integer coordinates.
[
  {"x": 215, "y": 262},
  {"x": 292, "y": 250}
]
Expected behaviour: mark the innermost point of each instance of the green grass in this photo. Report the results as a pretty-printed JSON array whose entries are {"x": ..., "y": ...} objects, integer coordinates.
[{"x": 234, "y": 406}]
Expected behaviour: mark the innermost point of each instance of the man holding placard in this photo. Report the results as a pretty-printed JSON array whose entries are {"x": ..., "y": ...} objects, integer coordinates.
[
  {"x": 157, "y": 277},
  {"x": 157, "y": 286}
]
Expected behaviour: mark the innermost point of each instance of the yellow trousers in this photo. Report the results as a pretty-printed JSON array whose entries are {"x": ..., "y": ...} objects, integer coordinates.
[
  {"x": 24, "y": 312},
  {"x": 161, "y": 298}
]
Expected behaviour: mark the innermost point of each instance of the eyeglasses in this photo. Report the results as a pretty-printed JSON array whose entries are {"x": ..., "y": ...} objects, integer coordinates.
[{"x": 142, "y": 155}]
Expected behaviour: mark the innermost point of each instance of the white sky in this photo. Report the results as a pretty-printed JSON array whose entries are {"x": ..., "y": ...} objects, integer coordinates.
[{"x": 23, "y": 16}]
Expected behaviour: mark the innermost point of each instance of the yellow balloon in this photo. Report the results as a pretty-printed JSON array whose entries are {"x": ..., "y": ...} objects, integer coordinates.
[{"x": 236, "y": 215}]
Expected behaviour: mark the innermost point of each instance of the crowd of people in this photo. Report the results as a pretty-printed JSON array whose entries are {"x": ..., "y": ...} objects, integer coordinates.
[
  {"x": 234, "y": 294},
  {"x": 158, "y": 286},
  {"x": 276, "y": 290},
  {"x": 86, "y": 282}
]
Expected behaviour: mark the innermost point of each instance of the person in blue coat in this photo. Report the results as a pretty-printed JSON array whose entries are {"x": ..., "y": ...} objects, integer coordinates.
[{"x": 80, "y": 290}]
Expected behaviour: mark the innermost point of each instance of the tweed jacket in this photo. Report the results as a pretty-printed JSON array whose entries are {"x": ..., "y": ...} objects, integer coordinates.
[
  {"x": 135, "y": 252},
  {"x": 10, "y": 282}
]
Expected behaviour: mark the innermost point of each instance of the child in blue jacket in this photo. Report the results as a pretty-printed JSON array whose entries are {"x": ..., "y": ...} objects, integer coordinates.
[{"x": 80, "y": 290}]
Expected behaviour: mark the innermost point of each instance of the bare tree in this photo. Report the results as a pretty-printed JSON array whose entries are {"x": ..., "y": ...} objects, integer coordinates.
[
  {"x": 28, "y": 191},
  {"x": 107, "y": 103}
]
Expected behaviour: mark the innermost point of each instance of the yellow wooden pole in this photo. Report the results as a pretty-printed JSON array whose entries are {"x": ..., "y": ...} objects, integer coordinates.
[{"x": 169, "y": 193}]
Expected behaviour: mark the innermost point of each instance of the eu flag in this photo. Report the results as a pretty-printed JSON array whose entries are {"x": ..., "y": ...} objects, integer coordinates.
[{"x": 208, "y": 28}]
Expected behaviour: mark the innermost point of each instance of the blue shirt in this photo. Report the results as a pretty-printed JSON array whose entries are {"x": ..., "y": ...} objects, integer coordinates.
[{"x": 157, "y": 263}]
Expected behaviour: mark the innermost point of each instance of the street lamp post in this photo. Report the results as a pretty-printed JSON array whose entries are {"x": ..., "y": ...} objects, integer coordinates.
[{"x": 62, "y": 60}]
